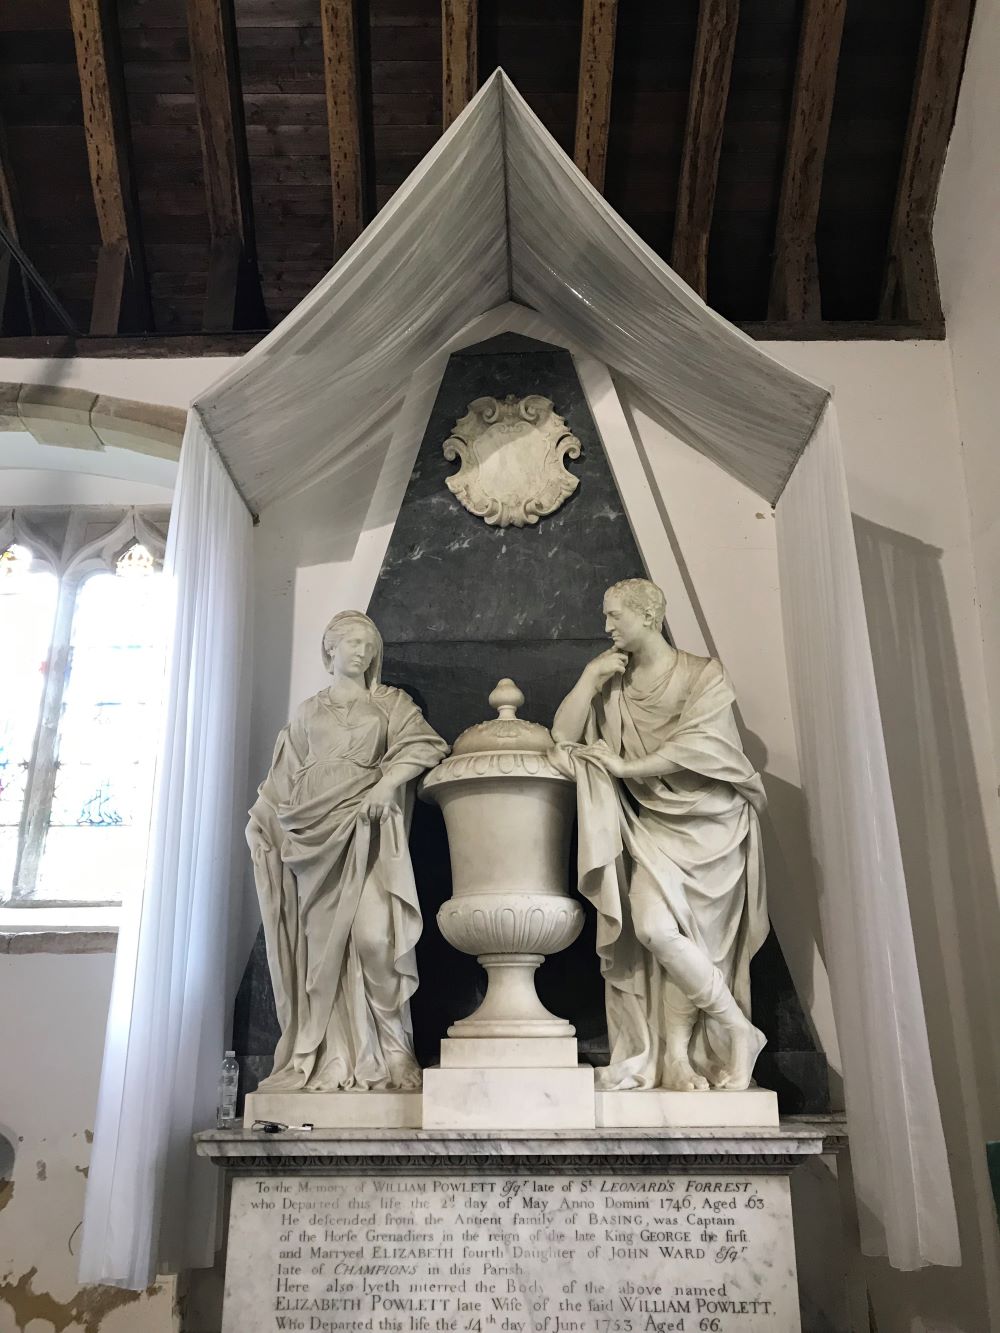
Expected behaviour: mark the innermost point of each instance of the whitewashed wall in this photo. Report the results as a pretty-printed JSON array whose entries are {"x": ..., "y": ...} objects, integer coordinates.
[
  {"x": 51, "y": 1038},
  {"x": 967, "y": 243},
  {"x": 898, "y": 416}
]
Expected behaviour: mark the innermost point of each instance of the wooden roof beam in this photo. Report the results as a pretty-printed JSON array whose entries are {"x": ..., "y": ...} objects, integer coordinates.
[
  {"x": 338, "y": 19},
  {"x": 711, "y": 69},
  {"x": 233, "y": 297},
  {"x": 16, "y": 311},
  {"x": 121, "y": 293},
  {"x": 795, "y": 293},
  {"x": 593, "y": 99},
  {"x": 459, "y": 56},
  {"x": 910, "y": 290}
]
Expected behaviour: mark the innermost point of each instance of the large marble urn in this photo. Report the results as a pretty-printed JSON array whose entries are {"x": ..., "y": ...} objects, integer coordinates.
[{"x": 509, "y": 816}]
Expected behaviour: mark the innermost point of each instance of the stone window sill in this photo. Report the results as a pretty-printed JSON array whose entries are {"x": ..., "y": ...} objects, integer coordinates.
[{"x": 58, "y": 929}]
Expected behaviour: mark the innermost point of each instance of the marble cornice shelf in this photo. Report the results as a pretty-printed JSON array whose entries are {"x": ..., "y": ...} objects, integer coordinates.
[{"x": 750, "y": 1150}]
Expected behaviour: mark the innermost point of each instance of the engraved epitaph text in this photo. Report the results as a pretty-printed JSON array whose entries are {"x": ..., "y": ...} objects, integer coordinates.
[{"x": 511, "y": 1254}]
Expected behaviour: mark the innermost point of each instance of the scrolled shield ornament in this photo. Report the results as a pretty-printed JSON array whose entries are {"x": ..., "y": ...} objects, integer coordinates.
[{"x": 512, "y": 453}]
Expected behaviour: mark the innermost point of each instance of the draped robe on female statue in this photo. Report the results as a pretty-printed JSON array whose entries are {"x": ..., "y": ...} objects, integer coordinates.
[
  {"x": 345, "y": 1021},
  {"x": 695, "y": 833}
]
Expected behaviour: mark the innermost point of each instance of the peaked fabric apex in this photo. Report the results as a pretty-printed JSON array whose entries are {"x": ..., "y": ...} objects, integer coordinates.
[{"x": 496, "y": 212}]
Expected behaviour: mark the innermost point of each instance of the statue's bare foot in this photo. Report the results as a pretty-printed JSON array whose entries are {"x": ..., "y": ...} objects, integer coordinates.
[
  {"x": 679, "y": 1076},
  {"x": 746, "y": 1043}
]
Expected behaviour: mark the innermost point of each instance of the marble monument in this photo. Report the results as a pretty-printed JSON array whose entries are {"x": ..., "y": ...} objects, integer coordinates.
[
  {"x": 510, "y": 1186},
  {"x": 328, "y": 837},
  {"x": 669, "y": 852}
]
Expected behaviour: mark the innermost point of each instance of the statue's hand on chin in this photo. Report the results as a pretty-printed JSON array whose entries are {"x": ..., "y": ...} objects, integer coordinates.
[{"x": 604, "y": 666}]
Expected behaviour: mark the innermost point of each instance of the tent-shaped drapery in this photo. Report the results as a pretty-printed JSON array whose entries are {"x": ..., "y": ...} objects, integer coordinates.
[{"x": 497, "y": 213}]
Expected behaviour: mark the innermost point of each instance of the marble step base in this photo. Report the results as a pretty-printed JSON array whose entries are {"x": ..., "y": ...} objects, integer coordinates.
[
  {"x": 500, "y": 1099},
  {"x": 515, "y": 1097},
  {"x": 509, "y": 1053},
  {"x": 656, "y": 1108},
  {"x": 336, "y": 1110}
]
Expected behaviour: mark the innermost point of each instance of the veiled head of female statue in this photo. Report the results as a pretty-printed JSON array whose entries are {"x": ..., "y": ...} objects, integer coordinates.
[{"x": 352, "y": 646}]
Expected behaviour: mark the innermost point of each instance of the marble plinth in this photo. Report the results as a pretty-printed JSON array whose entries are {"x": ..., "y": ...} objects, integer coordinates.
[
  {"x": 509, "y": 1053},
  {"x": 554, "y": 1231},
  {"x": 639, "y": 1230},
  {"x": 336, "y": 1110},
  {"x": 556, "y": 1254},
  {"x": 656, "y": 1107},
  {"x": 509, "y": 1098}
]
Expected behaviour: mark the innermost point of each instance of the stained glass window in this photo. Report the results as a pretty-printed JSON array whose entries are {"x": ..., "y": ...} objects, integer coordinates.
[
  {"x": 27, "y": 608},
  {"x": 80, "y": 705}
]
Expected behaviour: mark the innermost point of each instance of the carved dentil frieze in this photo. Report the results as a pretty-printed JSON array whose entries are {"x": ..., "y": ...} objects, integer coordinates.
[{"x": 512, "y": 453}]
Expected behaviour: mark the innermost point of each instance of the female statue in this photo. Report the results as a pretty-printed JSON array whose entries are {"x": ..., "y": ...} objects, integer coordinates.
[
  {"x": 669, "y": 851},
  {"x": 328, "y": 836}
]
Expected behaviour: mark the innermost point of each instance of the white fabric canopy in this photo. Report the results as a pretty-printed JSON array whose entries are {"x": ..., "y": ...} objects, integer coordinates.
[{"x": 494, "y": 213}]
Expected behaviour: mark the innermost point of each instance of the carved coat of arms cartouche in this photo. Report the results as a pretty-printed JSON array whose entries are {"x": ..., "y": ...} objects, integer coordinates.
[{"x": 512, "y": 452}]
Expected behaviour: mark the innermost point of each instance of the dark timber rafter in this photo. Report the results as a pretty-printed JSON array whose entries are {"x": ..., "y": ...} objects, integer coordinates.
[
  {"x": 795, "y": 291},
  {"x": 459, "y": 56},
  {"x": 338, "y": 19},
  {"x": 16, "y": 314},
  {"x": 710, "y": 73},
  {"x": 237, "y": 344},
  {"x": 233, "y": 297},
  {"x": 593, "y": 101},
  {"x": 121, "y": 295},
  {"x": 910, "y": 290}
]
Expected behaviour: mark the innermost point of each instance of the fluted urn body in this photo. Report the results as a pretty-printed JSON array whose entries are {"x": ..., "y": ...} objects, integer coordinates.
[{"x": 508, "y": 813}]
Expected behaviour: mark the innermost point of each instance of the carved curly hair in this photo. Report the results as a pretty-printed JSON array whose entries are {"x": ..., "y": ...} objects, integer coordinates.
[{"x": 642, "y": 596}]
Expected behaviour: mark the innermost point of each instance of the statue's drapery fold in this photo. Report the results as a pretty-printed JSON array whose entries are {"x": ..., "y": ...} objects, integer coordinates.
[
  {"x": 687, "y": 843},
  {"x": 345, "y": 1016}
]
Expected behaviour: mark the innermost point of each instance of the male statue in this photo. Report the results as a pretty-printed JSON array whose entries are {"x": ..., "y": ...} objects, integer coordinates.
[{"x": 669, "y": 852}]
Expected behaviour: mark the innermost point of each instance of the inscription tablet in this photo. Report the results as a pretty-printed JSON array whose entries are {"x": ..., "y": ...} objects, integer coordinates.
[{"x": 652, "y": 1253}]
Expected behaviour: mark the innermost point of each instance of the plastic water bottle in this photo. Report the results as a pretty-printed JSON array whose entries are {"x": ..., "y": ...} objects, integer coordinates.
[{"x": 228, "y": 1082}]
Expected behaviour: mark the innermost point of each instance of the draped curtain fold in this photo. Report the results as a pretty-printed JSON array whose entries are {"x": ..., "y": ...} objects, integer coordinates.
[
  {"x": 150, "y": 1203},
  {"x": 906, "y": 1208}
]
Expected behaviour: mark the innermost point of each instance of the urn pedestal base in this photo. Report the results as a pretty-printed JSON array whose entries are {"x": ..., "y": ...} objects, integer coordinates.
[
  {"x": 501, "y": 1099},
  {"x": 509, "y": 1053}
]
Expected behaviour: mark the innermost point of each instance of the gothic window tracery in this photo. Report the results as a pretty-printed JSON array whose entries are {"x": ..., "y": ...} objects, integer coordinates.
[{"x": 82, "y": 621}]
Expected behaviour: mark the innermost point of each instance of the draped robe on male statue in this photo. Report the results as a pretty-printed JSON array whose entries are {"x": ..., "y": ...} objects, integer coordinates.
[
  {"x": 342, "y": 1025},
  {"x": 696, "y": 834}
]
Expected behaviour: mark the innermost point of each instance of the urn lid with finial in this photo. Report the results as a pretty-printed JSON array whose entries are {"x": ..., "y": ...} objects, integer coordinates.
[{"x": 507, "y": 731}]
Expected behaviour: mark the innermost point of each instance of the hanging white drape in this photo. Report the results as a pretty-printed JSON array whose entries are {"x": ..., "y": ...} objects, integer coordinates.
[
  {"x": 150, "y": 1202},
  {"x": 906, "y": 1208}
]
